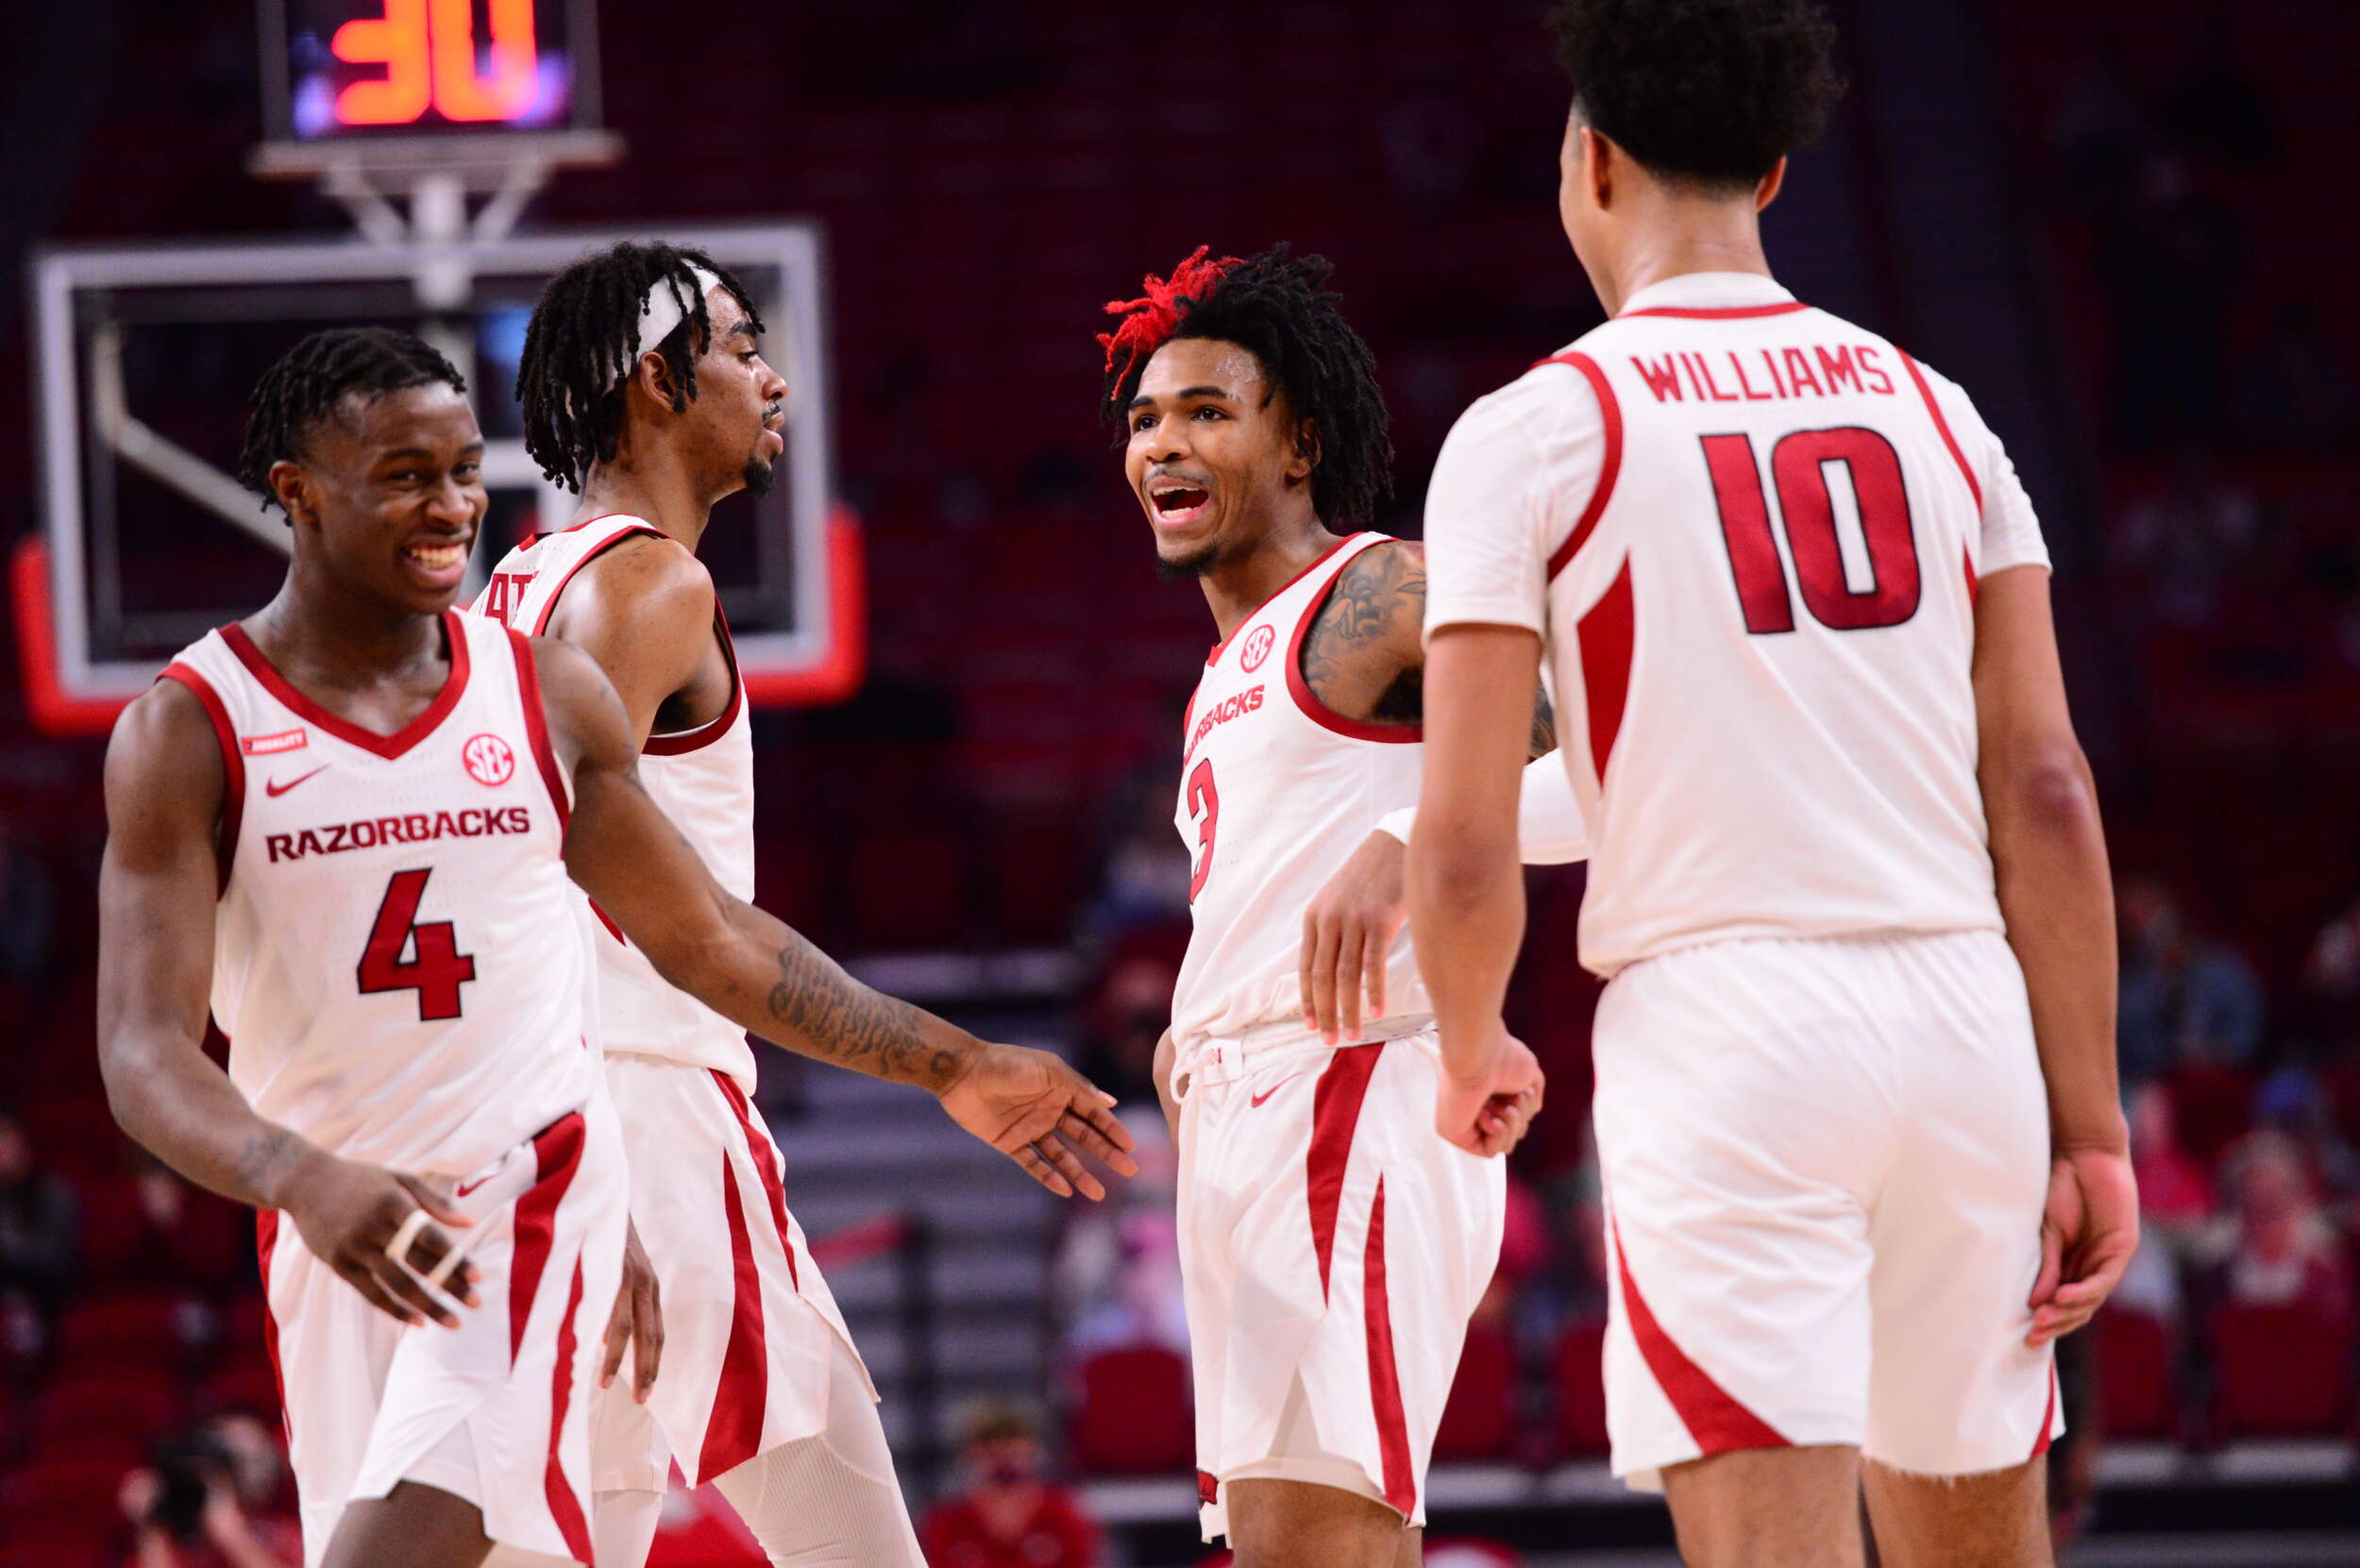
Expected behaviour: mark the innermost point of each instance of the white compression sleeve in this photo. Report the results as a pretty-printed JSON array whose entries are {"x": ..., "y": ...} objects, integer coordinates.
[{"x": 1548, "y": 821}]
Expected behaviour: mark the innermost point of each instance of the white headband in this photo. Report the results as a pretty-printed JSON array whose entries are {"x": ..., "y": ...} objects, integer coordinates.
[{"x": 660, "y": 315}]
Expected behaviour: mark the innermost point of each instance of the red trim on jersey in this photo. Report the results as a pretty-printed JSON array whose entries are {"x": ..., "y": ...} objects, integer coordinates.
[
  {"x": 1606, "y": 635},
  {"x": 705, "y": 734},
  {"x": 1392, "y": 1426},
  {"x": 266, "y": 1246},
  {"x": 1972, "y": 581},
  {"x": 556, "y": 1153},
  {"x": 1718, "y": 1423},
  {"x": 537, "y": 735},
  {"x": 1319, "y": 713},
  {"x": 1718, "y": 313},
  {"x": 766, "y": 1162},
  {"x": 388, "y": 747},
  {"x": 1943, "y": 426},
  {"x": 1207, "y": 1487},
  {"x": 1214, "y": 656},
  {"x": 734, "y": 1430},
  {"x": 1609, "y": 465},
  {"x": 1335, "y": 1111},
  {"x": 232, "y": 766},
  {"x": 564, "y": 1504},
  {"x": 2049, "y": 1416},
  {"x": 550, "y": 609}
]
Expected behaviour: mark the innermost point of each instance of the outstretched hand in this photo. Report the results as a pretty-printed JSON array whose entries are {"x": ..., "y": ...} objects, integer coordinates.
[
  {"x": 2087, "y": 1235},
  {"x": 1040, "y": 1113},
  {"x": 1348, "y": 934}
]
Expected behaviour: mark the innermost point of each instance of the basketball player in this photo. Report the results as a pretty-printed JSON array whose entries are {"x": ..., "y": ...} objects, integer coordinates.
[
  {"x": 1856, "y": 1107},
  {"x": 352, "y": 816},
  {"x": 1332, "y": 1245},
  {"x": 645, "y": 389}
]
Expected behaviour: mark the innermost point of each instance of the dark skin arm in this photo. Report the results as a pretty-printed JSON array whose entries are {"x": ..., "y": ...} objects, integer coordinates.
[
  {"x": 644, "y": 610},
  {"x": 1365, "y": 658},
  {"x": 755, "y": 971},
  {"x": 157, "y": 892}
]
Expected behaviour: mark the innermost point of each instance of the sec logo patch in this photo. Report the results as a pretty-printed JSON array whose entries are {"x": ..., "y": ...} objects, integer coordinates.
[
  {"x": 1258, "y": 647},
  {"x": 488, "y": 759}
]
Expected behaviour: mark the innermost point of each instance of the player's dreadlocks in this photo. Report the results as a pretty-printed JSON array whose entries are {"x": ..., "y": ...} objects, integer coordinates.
[
  {"x": 584, "y": 344},
  {"x": 1272, "y": 305},
  {"x": 320, "y": 372},
  {"x": 1710, "y": 90}
]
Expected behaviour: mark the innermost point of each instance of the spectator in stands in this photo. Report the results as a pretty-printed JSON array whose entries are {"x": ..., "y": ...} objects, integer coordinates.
[
  {"x": 2279, "y": 1249},
  {"x": 1009, "y": 1515},
  {"x": 2186, "y": 998},
  {"x": 211, "y": 1501},
  {"x": 41, "y": 1227},
  {"x": 2181, "y": 543}
]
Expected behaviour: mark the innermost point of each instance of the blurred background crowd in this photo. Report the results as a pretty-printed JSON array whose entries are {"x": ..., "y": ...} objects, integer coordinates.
[{"x": 2119, "y": 222}]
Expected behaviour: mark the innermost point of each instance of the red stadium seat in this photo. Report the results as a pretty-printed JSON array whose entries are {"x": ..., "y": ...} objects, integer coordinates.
[
  {"x": 2214, "y": 1105},
  {"x": 2285, "y": 1371},
  {"x": 1479, "y": 1420},
  {"x": 2135, "y": 1392},
  {"x": 1133, "y": 1415},
  {"x": 139, "y": 1327},
  {"x": 1581, "y": 1390},
  {"x": 111, "y": 1415}
]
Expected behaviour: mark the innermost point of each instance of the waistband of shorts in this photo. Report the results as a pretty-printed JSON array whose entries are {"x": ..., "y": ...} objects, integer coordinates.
[{"x": 1220, "y": 1059}]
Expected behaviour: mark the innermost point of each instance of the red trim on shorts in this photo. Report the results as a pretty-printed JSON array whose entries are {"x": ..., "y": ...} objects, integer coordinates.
[
  {"x": 1609, "y": 465},
  {"x": 1943, "y": 426},
  {"x": 564, "y": 1504},
  {"x": 266, "y": 1246},
  {"x": 2049, "y": 1416},
  {"x": 1392, "y": 1426},
  {"x": 1207, "y": 1487},
  {"x": 734, "y": 1430},
  {"x": 556, "y": 1153},
  {"x": 388, "y": 747},
  {"x": 1718, "y": 313},
  {"x": 1219, "y": 648},
  {"x": 1319, "y": 713},
  {"x": 1335, "y": 1111},
  {"x": 1718, "y": 1423},
  {"x": 537, "y": 734},
  {"x": 232, "y": 763},
  {"x": 766, "y": 1162},
  {"x": 705, "y": 734},
  {"x": 541, "y": 624},
  {"x": 1606, "y": 635}
]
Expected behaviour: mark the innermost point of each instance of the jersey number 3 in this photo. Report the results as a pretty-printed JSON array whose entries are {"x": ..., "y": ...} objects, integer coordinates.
[
  {"x": 439, "y": 968},
  {"x": 1798, "y": 465},
  {"x": 1204, "y": 797}
]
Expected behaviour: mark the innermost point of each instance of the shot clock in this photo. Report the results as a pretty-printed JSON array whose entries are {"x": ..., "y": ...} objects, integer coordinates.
[{"x": 346, "y": 72}]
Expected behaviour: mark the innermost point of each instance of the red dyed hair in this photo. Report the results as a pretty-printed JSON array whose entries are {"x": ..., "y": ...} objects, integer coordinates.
[{"x": 1150, "y": 321}]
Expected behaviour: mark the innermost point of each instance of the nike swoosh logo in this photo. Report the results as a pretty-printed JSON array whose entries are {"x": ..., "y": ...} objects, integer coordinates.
[
  {"x": 1273, "y": 1090},
  {"x": 275, "y": 789},
  {"x": 465, "y": 1187}
]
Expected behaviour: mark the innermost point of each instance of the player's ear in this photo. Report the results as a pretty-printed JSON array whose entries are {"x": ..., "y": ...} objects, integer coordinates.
[
  {"x": 1307, "y": 453},
  {"x": 1767, "y": 190},
  {"x": 655, "y": 379},
  {"x": 292, "y": 488},
  {"x": 1597, "y": 167}
]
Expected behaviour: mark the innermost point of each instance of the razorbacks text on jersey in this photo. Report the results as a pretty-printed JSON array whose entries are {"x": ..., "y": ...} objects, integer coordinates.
[
  {"x": 703, "y": 777},
  {"x": 395, "y": 962},
  {"x": 1749, "y": 534},
  {"x": 1277, "y": 790}
]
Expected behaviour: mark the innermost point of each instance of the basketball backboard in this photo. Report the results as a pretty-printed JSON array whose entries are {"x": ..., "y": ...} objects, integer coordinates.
[{"x": 144, "y": 358}]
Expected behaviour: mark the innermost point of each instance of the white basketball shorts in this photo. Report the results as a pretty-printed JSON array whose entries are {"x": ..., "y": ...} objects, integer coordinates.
[
  {"x": 1825, "y": 1164},
  {"x": 1332, "y": 1248},
  {"x": 751, "y": 1334},
  {"x": 496, "y": 1410}
]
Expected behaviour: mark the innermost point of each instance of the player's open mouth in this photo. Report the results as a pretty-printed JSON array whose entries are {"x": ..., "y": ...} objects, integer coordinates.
[{"x": 1178, "y": 505}]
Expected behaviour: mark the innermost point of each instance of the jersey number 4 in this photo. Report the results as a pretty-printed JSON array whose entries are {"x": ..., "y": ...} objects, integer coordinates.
[
  {"x": 439, "y": 968},
  {"x": 1798, "y": 465}
]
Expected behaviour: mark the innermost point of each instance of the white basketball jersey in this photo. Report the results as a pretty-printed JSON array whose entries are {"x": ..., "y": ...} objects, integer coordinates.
[
  {"x": 396, "y": 961},
  {"x": 1749, "y": 534},
  {"x": 703, "y": 777},
  {"x": 1276, "y": 793}
]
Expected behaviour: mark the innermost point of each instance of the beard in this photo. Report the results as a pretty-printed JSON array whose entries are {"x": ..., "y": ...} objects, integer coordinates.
[
  {"x": 1199, "y": 564},
  {"x": 758, "y": 476}
]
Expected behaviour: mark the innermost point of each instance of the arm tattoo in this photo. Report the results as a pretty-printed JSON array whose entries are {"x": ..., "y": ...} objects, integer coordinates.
[
  {"x": 846, "y": 1022},
  {"x": 1362, "y": 657},
  {"x": 267, "y": 1156},
  {"x": 1543, "y": 724}
]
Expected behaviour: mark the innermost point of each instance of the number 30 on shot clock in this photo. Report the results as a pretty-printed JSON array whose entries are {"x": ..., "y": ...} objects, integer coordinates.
[{"x": 361, "y": 69}]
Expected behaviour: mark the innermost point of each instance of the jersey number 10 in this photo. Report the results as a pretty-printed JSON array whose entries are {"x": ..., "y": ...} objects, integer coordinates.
[{"x": 1798, "y": 467}]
